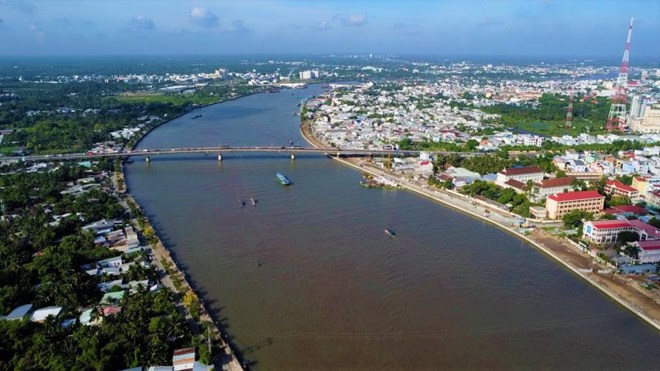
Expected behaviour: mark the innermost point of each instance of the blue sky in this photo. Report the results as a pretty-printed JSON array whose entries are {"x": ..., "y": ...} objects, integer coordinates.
[{"x": 564, "y": 28}]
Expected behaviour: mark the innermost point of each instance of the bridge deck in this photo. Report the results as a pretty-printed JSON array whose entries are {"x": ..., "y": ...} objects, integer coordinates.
[{"x": 225, "y": 149}]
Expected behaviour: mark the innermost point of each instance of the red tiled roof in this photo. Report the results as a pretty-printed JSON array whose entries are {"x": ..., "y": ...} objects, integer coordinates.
[
  {"x": 649, "y": 229},
  {"x": 522, "y": 170},
  {"x": 649, "y": 245},
  {"x": 111, "y": 310},
  {"x": 574, "y": 196},
  {"x": 557, "y": 182},
  {"x": 607, "y": 224},
  {"x": 515, "y": 184},
  {"x": 618, "y": 185},
  {"x": 637, "y": 210},
  {"x": 179, "y": 352}
]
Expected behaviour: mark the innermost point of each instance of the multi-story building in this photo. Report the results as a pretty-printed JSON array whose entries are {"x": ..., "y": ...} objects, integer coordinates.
[
  {"x": 560, "y": 204},
  {"x": 649, "y": 251},
  {"x": 636, "y": 106},
  {"x": 653, "y": 198},
  {"x": 548, "y": 187},
  {"x": 607, "y": 231},
  {"x": 649, "y": 122},
  {"x": 520, "y": 174},
  {"x": 640, "y": 183},
  {"x": 616, "y": 188}
]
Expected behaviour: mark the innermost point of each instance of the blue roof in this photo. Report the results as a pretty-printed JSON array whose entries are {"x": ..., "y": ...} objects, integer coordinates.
[
  {"x": 19, "y": 312},
  {"x": 640, "y": 268}
]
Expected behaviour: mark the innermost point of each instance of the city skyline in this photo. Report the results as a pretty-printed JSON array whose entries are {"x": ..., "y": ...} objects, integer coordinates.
[{"x": 502, "y": 28}]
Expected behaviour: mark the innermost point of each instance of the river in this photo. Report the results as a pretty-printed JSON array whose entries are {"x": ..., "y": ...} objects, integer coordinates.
[{"x": 308, "y": 279}]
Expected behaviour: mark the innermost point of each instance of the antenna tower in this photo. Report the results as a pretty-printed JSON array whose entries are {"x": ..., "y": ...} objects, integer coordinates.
[{"x": 616, "y": 120}]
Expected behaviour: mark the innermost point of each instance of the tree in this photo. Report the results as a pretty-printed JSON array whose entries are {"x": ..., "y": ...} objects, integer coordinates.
[
  {"x": 574, "y": 218},
  {"x": 607, "y": 217},
  {"x": 631, "y": 250},
  {"x": 619, "y": 200},
  {"x": 627, "y": 236},
  {"x": 654, "y": 222}
]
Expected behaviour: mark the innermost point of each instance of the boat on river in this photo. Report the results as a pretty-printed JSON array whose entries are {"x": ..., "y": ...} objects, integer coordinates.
[
  {"x": 254, "y": 201},
  {"x": 282, "y": 179},
  {"x": 390, "y": 232}
]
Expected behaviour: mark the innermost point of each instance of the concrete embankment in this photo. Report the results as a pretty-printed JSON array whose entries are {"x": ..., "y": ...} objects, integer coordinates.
[{"x": 307, "y": 134}]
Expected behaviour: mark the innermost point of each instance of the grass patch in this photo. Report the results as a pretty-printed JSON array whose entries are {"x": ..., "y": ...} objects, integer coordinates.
[{"x": 557, "y": 128}]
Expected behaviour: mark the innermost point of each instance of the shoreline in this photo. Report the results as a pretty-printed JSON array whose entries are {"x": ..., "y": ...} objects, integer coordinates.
[
  {"x": 232, "y": 358},
  {"x": 305, "y": 130}
]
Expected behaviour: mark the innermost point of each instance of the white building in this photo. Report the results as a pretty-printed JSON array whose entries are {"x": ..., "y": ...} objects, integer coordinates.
[
  {"x": 520, "y": 174},
  {"x": 649, "y": 251}
]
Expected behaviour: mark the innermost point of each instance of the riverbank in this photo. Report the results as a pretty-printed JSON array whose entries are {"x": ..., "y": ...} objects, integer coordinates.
[
  {"x": 185, "y": 296},
  {"x": 174, "y": 278},
  {"x": 615, "y": 287}
]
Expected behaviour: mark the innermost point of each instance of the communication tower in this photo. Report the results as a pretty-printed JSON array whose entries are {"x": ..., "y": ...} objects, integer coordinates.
[{"x": 616, "y": 120}]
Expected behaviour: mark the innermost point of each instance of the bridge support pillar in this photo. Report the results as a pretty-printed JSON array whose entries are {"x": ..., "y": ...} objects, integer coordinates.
[
  {"x": 293, "y": 156},
  {"x": 147, "y": 159},
  {"x": 220, "y": 157}
]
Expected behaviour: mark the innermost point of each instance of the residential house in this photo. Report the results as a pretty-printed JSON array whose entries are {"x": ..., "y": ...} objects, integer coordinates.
[
  {"x": 40, "y": 315},
  {"x": 18, "y": 313}
]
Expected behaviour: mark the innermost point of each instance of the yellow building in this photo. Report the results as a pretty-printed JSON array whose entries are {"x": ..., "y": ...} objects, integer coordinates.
[
  {"x": 560, "y": 204},
  {"x": 640, "y": 184}
]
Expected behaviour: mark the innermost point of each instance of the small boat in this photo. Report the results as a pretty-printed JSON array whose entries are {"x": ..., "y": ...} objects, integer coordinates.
[
  {"x": 196, "y": 117},
  {"x": 282, "y": 179},
  {"x": 254, "y": 201},
  {"x": 390, "y": 232},
  {"x": 242, "y": 203}
]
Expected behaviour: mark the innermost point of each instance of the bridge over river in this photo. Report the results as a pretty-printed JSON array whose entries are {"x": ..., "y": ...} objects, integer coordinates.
[{"x": 289, "y": 151}]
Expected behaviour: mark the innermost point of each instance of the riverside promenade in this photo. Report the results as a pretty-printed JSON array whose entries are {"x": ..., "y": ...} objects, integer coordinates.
[{"x": 617, "y": 288}]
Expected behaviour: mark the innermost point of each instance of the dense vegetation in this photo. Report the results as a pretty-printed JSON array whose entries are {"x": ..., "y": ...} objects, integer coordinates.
[
  {"x": 72, "y": 116},
  {"x": 40, "y": 264},
  {"x": 518, "y": 202},
  {"x": 494, "y": 163},
  {"x": 145, "y": 332}
]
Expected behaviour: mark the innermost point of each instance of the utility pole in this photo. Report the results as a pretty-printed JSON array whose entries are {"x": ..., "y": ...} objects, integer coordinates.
[{"x": 616, "y": 120}]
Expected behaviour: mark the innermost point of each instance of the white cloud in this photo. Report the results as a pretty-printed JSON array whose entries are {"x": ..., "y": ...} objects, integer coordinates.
[
  {"x": 203, "y": 17},
  {"x": 354, "y": 20},
  {"x": 142, "y": 23}
]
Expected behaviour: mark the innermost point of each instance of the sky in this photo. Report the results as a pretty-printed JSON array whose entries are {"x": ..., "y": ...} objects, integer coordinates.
[{"x": 561, "y": 28}]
